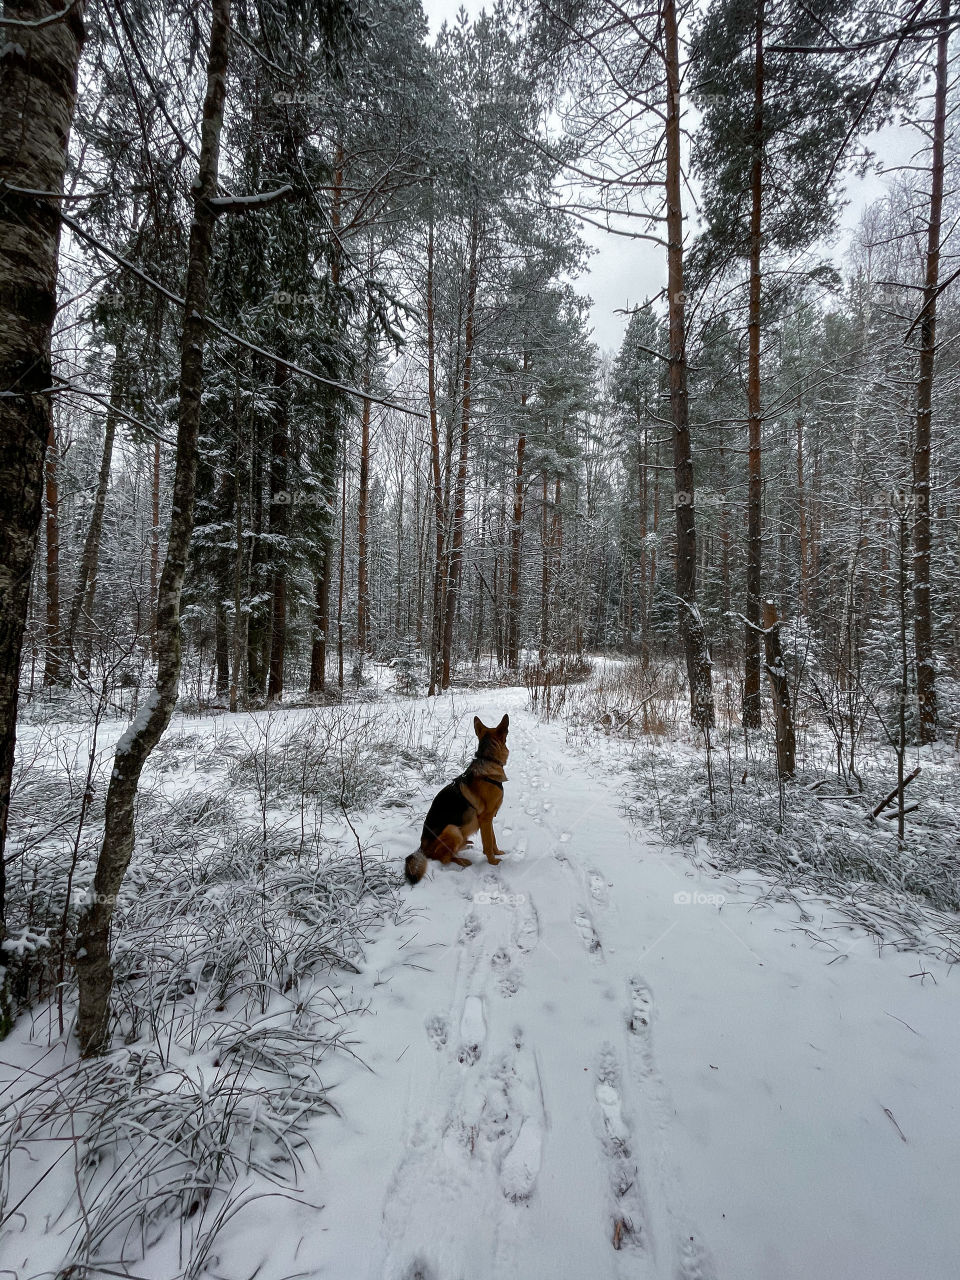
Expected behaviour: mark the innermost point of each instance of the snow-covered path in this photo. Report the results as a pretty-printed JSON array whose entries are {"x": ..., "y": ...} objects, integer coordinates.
[{"x": 583, "y": 1066}]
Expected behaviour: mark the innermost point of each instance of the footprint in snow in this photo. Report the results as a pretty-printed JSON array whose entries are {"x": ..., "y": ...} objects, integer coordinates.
[
  {"x": 695, "y": 1262},
  {"x": 437, "y": 1031},
  {"x": 607, "y": 1092},
  {"x": 419, "y": 1271},
  {"x": 588, "y": 934},
  {"x": 627, "y": 1229},
  {"x": 598, "y": 889},
  {"x": 473, "y": 1029},
  {"x": 526, "y": 929},
  {"x": 521, "y": 1164},
  {"x": 508, "y": 977},
  {"x": 470, "y": 928},
  {"x": 510, "y": 983},
  {"x": 641, "y": 1007}
]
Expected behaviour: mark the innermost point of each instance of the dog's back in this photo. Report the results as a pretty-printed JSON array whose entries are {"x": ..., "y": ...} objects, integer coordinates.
[{"x": 449, "y": 809}]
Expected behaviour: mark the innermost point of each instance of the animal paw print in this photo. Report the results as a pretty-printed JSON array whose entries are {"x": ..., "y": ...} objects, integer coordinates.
[{"x": 437, "y": 1031}]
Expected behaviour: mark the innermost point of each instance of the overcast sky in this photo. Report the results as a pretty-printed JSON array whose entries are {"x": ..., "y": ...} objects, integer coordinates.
[{"x": 623, "y": 272}]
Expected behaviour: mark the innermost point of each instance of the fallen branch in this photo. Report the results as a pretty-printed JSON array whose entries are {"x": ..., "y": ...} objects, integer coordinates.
[
  {"x": 888, "y": 817},
  {"x": 906, "y": 782}
]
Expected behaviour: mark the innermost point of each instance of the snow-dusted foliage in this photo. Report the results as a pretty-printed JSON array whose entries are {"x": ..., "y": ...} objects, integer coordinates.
[{"x": 253, "y": 889}]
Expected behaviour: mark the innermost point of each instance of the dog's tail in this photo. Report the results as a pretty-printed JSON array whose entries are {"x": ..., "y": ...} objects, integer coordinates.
[{"x": 416, "y": 867}]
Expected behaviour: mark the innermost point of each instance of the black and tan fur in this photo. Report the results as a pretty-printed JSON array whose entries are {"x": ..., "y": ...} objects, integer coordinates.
[{"x": 466, "y": 805}]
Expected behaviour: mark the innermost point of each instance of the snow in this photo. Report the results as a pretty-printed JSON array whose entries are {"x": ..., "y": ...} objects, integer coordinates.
[{"x": 591, "y": 1061}]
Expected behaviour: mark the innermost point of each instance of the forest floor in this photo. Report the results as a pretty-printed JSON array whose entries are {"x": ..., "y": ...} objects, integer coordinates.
[{"x": 590, "y": 1061}]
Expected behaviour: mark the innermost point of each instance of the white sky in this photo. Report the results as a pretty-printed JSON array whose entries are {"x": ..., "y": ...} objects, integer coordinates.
[{"x": 623, "y": 272}]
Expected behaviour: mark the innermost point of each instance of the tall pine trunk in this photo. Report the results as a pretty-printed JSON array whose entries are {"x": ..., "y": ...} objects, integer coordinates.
[
  {"x": 363, "y": 512},
  {"x": 780, "y": 692},
  {"x": 53, "y": 643},
  {"x": 803, "y": 522},
  {"x": 94, "y": 971},
  {"x": 38, "y": 82},
  {"x": 460, "y": 492},
  {"x": 692, "y": 632},
  {"x": 439, "y": 510},
  {"x": 544, "y": 572},
  {"x": 279, "y": 530},
  {"x": 85, "y": 591},
  {"x": 516, "y": 530},
  {"x": 922, "y": 605},
  {"x": 752, "y": 635}
]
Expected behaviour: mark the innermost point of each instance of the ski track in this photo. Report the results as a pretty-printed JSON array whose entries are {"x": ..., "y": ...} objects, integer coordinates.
[{"x": 479, "y": 1132}]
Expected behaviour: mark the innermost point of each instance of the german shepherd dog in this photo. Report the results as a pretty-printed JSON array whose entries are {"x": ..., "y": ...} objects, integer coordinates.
[{"x": 466, "y": 804}]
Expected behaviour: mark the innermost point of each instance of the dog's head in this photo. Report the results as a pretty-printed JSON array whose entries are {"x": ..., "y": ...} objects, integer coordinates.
[{"x": 493, "y": 742}]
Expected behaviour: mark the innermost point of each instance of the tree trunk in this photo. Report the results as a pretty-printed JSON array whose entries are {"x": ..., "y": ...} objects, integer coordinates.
[
  {"x": 439, "y": 510},
  {"x": 363, "y": 541},
  {"x": 544, "y": 573},
  {"x": 692, "y": 632},
  {"x": 922, "y": 604},
  {"x": 85, "y": 592},
  {"x": 154, "y": 548},
  {"x": 802, "y": 518},
  {"x": 780, "y": 691},
  {"x": 280, "y": 529},
  {"x": 256, "y": 621},
  {"x": 460, "y": 494},
  {"x": 53, "y": 654},
  {"x": 38, "y": 79},
  {"x": 752, "y": 631},
  {"x": 94, "y": 971},
  {"x": 343, "y": 568},
  {"x": 222, "y": 649},
  {"x": 239, "y": 638},
  {"x": 324, "y": 577},
  {"x": 516, "y": 531}
]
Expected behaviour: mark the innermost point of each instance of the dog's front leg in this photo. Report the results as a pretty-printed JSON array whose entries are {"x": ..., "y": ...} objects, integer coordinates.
[{"x": 489, "y": 841}]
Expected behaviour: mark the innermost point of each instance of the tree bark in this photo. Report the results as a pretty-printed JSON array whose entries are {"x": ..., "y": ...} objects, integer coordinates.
[
  {"x": 154, "y": 547},
  {"x": 544, "y": 573},
  {"x": 321, "y": 622},
  {"x": 363, "y": 505},
  {"x": 922, "y": 603},
  {"x": 280, "y": 531},
  {"x": 53, "y": 645},
  {"x": 38, "y": 82},
  {"x": 780, "y": 691},
  {"x": 94, "y": 970},
  {"x": 516, "y": 530},
  {"x": 341, "y": 582},
  {"x": 460, "y": 492},
  {"x": 752, "y": 631},
  {"x": 802, "y": 518},
  {"x": 256, "y": 621},
  {"x": 439, "y": 511},
  {"x": 692, "y": 631},
  {"x": 85, "y": 591},
  {"x": 238, "y": 639}
]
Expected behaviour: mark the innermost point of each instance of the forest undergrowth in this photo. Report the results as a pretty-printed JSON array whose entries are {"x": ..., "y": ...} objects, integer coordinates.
[
  {"x": 253, "y": 890},
  {"x": 825, "y": 832}
]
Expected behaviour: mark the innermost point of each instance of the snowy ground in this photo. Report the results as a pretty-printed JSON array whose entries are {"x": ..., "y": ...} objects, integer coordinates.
[{"x": 586, "y": 1063}]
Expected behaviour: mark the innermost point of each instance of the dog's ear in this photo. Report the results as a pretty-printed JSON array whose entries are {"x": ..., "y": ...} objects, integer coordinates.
[
  {"x": 503, "y": 726},
  {"x": 479, "y": 727}
]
